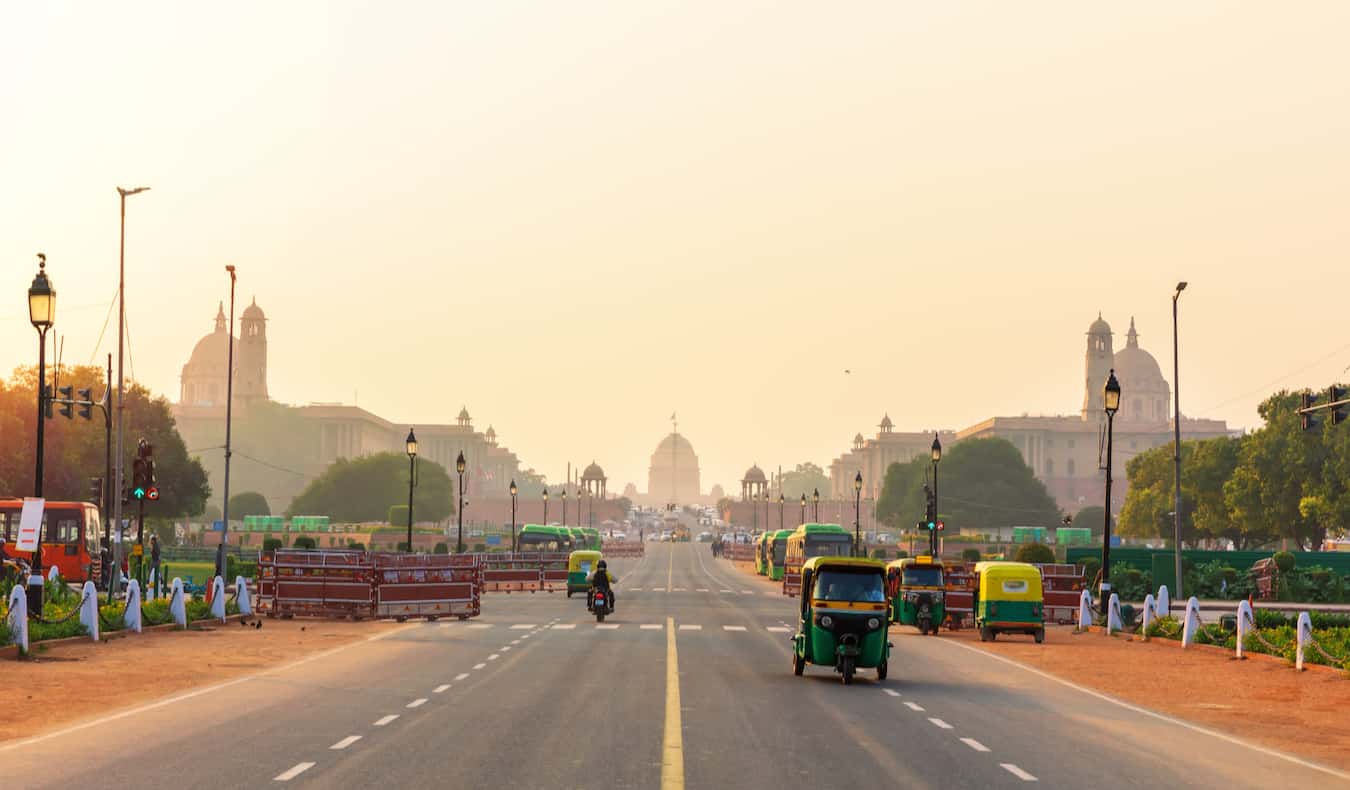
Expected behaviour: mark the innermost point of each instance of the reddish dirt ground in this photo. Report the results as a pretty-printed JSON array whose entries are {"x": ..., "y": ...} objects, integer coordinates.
[{"x": 69, "y": 681}]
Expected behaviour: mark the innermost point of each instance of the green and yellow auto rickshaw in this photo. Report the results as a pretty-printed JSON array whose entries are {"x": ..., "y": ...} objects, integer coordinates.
[
  {"x": 843, "y": 616},
  {"x": 1008, "y": 599},
  {"x": 763, "y": 542},
  {"x": 915, "y": 585},
  {"x": 777, "y": 553},
  {"x": 580, "y": 566}
]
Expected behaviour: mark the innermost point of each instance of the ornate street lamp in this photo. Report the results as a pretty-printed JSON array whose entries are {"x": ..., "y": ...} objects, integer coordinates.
[
  {"x": 545, "y": 505},
  {"x": 1176, "y": 447},
  {"x": 1111, "y": 402},
  {"x": 42, "y": 314},
  {"x": 564, "y": 504},
  {"x": 514, "y": 491},
  {"x": 781, "y": 500},
  {"x": 459, "y": 469},
  {"x": 803, "y": 521},
  {"x": 815, "y": 505},
  {"x": 936, "y": 454},
  {"x": 411, "y": 443},
  {"x": 857, "y": 509}
]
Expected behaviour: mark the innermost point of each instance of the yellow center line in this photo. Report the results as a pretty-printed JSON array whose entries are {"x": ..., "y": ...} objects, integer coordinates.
[
  {"x": 670, "y": 572},
  {"x": 672, "y": 748}
]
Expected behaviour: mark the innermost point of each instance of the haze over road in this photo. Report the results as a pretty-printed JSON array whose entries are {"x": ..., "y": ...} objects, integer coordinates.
[{"x": 535, "y": 694}]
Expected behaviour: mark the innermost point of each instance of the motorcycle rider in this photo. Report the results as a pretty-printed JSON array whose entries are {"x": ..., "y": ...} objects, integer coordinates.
[{"x": 602, "y": 579}]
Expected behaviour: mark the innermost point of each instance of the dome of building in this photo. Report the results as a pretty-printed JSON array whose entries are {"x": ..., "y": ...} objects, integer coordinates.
[
  {"x": 204, "y": 375},
  {"x": 754, "y": 475},
  {"x": 491, "y": 435},
  {"x": 1099, "y": 327},
  {"x": 674, "y": 442},
  {"x": 1143, "y": 390},
  {"x": 886, "y": 424},
  {"x": 593, "y": 472},
  {"x": 253, "y": 311},
  {"x": 673, "y": 477}
]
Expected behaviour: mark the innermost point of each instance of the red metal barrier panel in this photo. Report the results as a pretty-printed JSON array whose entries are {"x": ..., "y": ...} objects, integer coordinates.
[
  {"x": 622, "y": 548},
  {"x": 741, "y": 551},
  {"x": 428, "y": 585},
  {"x": 317, "y": 583}
]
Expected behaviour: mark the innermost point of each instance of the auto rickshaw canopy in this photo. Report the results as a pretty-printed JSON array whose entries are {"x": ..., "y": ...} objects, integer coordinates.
[{"x": 1009, "y": 581}]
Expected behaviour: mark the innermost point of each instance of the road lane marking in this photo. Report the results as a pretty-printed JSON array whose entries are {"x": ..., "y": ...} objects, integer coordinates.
[
  {"x": 479, "y": 666},
  {"x": 723, "y": 591},
  {"x": 494, "y": 656},
  {"x": 482, "y": 625},
  {"x": 630, "y": 589},
  {"x": 892, "y": 692},
  {"x": 677, "y": 589},
  {"x": 345, "y": 742},
  {"x": 1154, "y": 714},
  {"x": 733, "y": 628},
  {"x": 441, "y": 688},
  {"x": 519, "y": 626},
  {"x": 417, "y": 703},
  {"x": 701, "y": 589},
  {"x": 974, "y": 744},
  {"x": 383, "y": 721},
  {"x": 515, "y": 641},
  {"x": 605, "y": 626},
  {"x": 670, "y": 576},
  {"x": 687, "y": 627},
  {"x": 940, "y": 724},
  {"x": 747, "y": 592},
  {"x": 778, "y": 629},
  {"x": 650, "y": 626},
  {"x": 912, "y": 706},
  {"x": 461, "y": 676},
  {"x": 564, "y": 626},
  {"x": 1018, "y": 772},
  {"x": 504, "y": 648},
  {"x": 446, "y": 625},
  {"x": 672, "y": 747},
  {"x": 295, "y": 771}
]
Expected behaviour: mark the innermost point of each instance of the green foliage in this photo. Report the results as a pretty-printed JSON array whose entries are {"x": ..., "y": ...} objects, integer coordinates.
[
  {"x": 248, "y": 503},
  {"x": 272, "y": 544},
  {"x": 441, "y": 548},
  {"x": 1130, "y": 583},
  {"x": 357, "y": 545},
  {"x": 1284, "y": 560},
  {"x": 402, "y": 545},
  {"x": 804, "y": 479},
  {"x": 1035, "y": 552},
  {"x": 398, "y": 515},
  {"x": 1091, "y": 567},
  {"x": 1166, "y": 627},
  {"x": 970, "y": 555},
  {"x": 1092, "y": 517},
  {"x": 900, "y": 554},
  {"x": 878, "y": 554},
  {"x": 235, "y": 567},
  {"x": 479, "y": 548},
  {"x": 363, "y": 489},
  {"x": 304, "y": 542}
]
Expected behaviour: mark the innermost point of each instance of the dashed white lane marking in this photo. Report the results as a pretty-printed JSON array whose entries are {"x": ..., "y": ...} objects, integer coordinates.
[
  {"x": 892, "y": 692},
  {"x": 345, "y": 742},
  {"x": 679, "y": 589},
  {"x": 494, "y": 656},
  {"x": 292, "y": 772},
  {"x": 974, "y": 744},
  {"x": 940, "y": 724},
  {"x": 778, "y": 629},
  {"x": 479, "y": 666},
  {"x": 461, "y": 676},
  {"x": 634, "y": 589},
  {"x": 724, "y": 591},
  {"x": 564, "y": 626},
  {"x": 651, "y": 627},
  {"x": 747, "y": 592},
  {"x": 522, "y": 626},
  {"x": 733, "y": 628},
  {"x": 605, "y": 626},
  {"x": 687, "y": 627},
  {"x": 515, "y": 641},
  {"x": 383, "y": 721},
  {"x": 417, "y": 703},
  {"x": 504, "y": 648},
  {"x": 912, "y": 706},
  {"x": 482, "y": 625},
  {"x": 446, "y": 625},
  {"x": 1018, "y": 772},
  {"x": 702, "y": 589},
  {"x": 441, "y": 688}
]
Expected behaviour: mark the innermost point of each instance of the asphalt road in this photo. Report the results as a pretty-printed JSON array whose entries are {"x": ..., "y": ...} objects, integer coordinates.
[{"x": 688, "y": 685}]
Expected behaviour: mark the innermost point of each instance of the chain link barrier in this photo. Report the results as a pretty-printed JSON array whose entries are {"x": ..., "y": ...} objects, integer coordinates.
[
  {"x": 73, "y": 614},
  {"x": 1343, "y": 663}
]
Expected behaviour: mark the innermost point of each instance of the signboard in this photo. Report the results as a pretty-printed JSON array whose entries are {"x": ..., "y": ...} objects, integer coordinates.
[
  {"x": 494, "y": 540},
  {"x": 217, "y": 526},
  {"x": 137, "y": 550},
  {"x": 30, "y": 522}
]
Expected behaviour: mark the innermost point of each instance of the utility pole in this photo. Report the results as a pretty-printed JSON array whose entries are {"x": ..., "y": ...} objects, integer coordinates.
[{"x": 121, "y": 379}]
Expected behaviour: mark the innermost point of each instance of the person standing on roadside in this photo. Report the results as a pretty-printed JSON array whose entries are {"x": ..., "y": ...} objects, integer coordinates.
[{"x": 154, "y": 559}]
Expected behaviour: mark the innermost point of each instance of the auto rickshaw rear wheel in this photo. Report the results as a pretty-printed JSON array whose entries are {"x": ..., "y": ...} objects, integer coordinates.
[
  {"x": 1040, "y": 636},
  {"x": 798, "y": 664},
  {"x": 986, "y": 634},
  {"x": 881, "y": 670},
  {"x": 846, "y": 668}
]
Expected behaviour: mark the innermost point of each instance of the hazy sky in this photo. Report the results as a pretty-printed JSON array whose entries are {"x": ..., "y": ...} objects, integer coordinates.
[{"x": 577, "y": 218}]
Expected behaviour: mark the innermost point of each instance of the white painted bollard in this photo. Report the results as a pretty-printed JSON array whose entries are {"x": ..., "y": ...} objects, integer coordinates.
[
  {"x": 241, "y": 594},
  {"x": 53, "y": 574},
  {"x": 1192, "y": 623},
  {"x": 1149, "y": 614},
  {"x": 1304, "y": 637},
  {"x": 1114, "y": 622},
  {"x": 89, "y": 609},
  {"x": 1085, "y": 610},
  {"x": 1246, "y": 621},
  {"x": 131, "y": 618},
  {"x": 1164, "y": 602},
  {"x": 177, "y": 603},
  {"x": 218, "y": 598},
  {"x": 18, "y": 617}
]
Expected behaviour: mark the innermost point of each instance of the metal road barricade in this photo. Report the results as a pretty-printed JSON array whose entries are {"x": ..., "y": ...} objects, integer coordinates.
[
  {"x": 1062, "y": 585},
  {"x": 959, "y": 589},
  {"x": 316, "y": 583},
  {"x": 741, "y": 551},
  {"x": 792, "y": 580},
  {"x": 622, "y": 548},
  {"x": 522, "y": 571},
  {"x": 428, "y": 585}
]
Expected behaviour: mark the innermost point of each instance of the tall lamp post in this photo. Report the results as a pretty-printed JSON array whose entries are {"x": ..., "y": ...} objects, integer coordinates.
[
  {"x": 936, "y": 451},
  {"x": 857, "y": 517},
  {"x": 42, "y": 314},
  {"x": 459, "y": 506},
  {"x": 229, "y": 404},
  {"x": 803, "y": 521},
  {"x": 1111, "y": 401},
  {"x": 412, "y": 481},
  {"x": 514, "y": 491},
  {"x": 1176, "y": 446},
  {"x": 780, "y": 509},
  {"x": 120, "y": 475},
  {"x": 815, "y": 505},
  {"x": 564, "y": 504},
  {"x": 546, "y": 505}
]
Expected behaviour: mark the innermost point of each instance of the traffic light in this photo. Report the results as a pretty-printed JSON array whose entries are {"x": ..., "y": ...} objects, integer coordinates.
[
  {"x": 139, "y": 483},
  {"x": 143, "y": 472},
  {"x": 152, "y": 494},
  {"x": 67, "y": 393},
  {"x": 1336, "y": 394},
  {"x": 87, "y": 404},
  {"x": 1308, "y": 420},
  {"x": 96, "y": 490},
  {"x": 941, "y": 526}
]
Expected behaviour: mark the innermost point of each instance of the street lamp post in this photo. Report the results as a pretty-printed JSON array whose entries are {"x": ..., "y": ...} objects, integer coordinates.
[
  {"x": 803, "y": 521},
  {"x": 936, "y": 451},
  {"x": 412, "y": 480},
  {"x": 857, "y": 515},
  {"x": 780, "y": 509},
  {"x": 1176, "y": 446},
  {"x": 120, "y": 475},
  {"x": 42, "y": 314},
  {"x": 229, "y": 405},
  {"x": 514, "y": 491},
  {"x": 459, "y": 506},
  {"x": 564, "y": 504},
  {"x": 1111, "y": 402},
  {"x": 545, "y": 505},
  {"x": 815, "y": 505}
]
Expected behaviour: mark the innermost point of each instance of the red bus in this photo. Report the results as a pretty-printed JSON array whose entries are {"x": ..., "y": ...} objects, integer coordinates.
[{"x": 70, "y": 537}]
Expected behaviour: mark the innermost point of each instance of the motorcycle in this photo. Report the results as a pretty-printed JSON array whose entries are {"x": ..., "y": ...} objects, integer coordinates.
[{"x": 601, "y": 604}]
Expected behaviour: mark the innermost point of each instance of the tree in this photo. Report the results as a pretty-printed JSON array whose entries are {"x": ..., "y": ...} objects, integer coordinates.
[
  {"x": 1035, "y": 552},
  {"x": 806, "y": 479},
  {"x": 1092, "y": 517},
  {"x": 248, "y": 503},
  {"x": 363, "y": 489},
  {"x": 1205, "y": 467},
  {"x": 901, "y": 501}
]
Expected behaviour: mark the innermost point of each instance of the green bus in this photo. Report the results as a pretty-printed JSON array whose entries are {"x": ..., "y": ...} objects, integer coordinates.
[{"x": 537, "y": 537}]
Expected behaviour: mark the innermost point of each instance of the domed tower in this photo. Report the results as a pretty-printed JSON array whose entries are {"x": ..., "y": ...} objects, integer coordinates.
[
  {"x": 250, "y": 382},
  {"x": 203, "y": 379},
  {"x": 1097, "y": 362},
  {"x": 1145, "y": 394}
]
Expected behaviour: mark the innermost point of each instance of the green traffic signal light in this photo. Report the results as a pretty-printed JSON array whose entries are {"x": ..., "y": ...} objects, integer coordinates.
[{"x": 138, "y": 492}]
